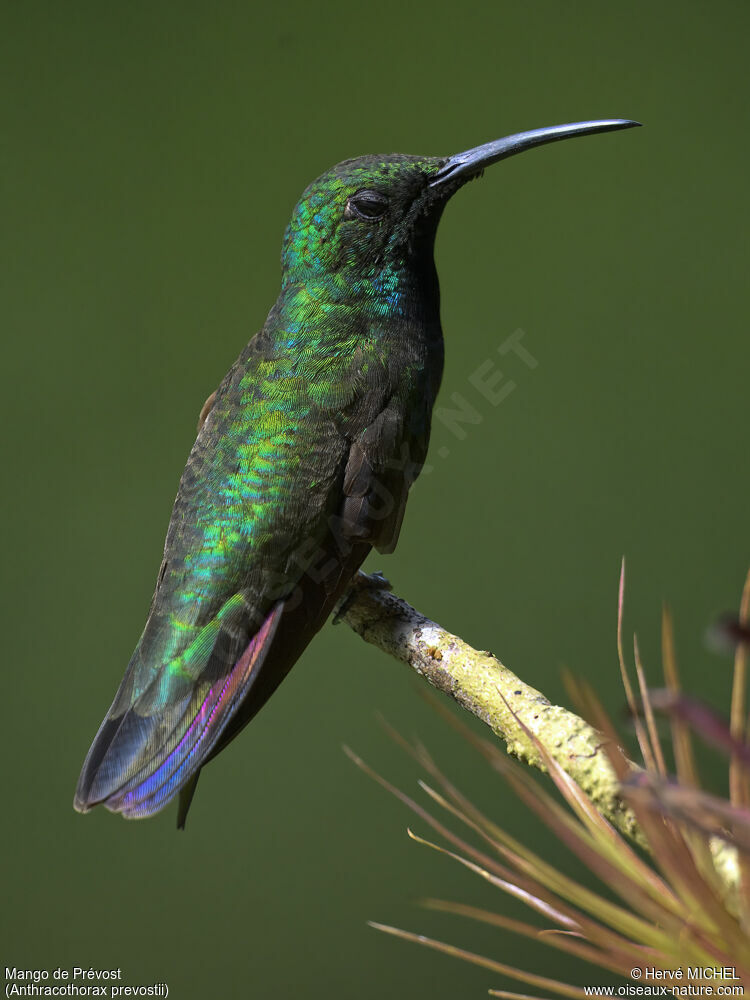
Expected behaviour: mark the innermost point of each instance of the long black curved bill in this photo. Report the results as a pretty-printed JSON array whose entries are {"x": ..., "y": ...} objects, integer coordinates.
[{"x": 464, "y": 166}]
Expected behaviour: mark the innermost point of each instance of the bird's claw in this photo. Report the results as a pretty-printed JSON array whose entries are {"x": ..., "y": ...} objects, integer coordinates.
[{"x": 360, "y": 581}]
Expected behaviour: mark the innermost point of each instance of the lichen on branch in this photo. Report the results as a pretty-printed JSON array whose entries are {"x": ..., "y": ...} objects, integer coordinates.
[{"x": 480, "y": 683}]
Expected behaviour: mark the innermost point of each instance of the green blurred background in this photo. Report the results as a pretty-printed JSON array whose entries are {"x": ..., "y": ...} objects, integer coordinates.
[{"x": 153, "y": 155}]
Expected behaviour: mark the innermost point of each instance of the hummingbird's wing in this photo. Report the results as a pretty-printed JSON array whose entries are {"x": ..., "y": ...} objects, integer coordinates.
[
  {"x": 206, "y": 408},
  {"x": 384, "y": 460}
]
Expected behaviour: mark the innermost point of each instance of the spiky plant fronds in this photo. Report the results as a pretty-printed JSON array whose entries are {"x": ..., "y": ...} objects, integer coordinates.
[{"x": 683, "y": 902}]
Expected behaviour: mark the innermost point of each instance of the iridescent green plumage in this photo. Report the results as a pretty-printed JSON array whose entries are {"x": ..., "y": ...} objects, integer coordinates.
[{"x": 302, "y": 464}]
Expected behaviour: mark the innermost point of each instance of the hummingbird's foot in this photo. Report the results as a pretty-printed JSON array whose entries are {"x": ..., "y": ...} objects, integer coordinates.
[{"x": 360, "y": 581}]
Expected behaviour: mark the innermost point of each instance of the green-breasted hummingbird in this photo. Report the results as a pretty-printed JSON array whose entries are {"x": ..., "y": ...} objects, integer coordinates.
[{"x": 302, "y": 464}]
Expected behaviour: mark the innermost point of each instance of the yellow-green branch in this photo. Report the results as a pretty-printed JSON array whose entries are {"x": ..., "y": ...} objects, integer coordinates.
[{"x": 512, "y": 709}]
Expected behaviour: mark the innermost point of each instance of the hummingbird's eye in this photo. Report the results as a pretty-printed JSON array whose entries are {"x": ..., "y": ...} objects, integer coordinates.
[{"x": 367, "y": 205}]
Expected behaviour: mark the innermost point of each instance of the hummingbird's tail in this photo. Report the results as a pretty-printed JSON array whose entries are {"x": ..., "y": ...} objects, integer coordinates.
[
  {"x": 168, "y": 720},
  {"x": 142, "y": 757}
]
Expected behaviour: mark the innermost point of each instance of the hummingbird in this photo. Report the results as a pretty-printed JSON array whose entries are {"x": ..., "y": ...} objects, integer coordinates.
[{"x": 303, "y": 462}]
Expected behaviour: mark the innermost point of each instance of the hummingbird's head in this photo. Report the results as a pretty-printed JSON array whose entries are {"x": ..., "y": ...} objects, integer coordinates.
[
  {"x": 376, "y": 216},
  {"x": 362, "y": 216}
]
